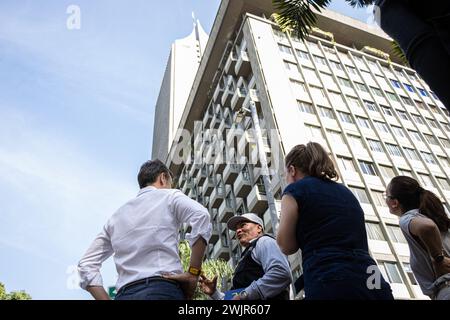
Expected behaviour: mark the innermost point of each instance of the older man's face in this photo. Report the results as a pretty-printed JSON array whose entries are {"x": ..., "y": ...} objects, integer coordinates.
[{"x": 247, "y": 231}]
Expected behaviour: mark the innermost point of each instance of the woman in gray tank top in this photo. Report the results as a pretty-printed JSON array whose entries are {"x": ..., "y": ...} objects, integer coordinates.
[{"x": 425, "y": 224}]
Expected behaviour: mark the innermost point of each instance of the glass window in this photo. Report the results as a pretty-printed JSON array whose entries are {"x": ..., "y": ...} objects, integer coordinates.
[
  {"x": 344, "y": 82},
  {"x": 336, "y": 65},
  {"x": 346, "y": 164},
  {"x": 387, "y": 111},
  {"x": 407, "y": 100},
  {"x": 426, "y": 180},
  {"x": 415, "y": 136},
  {"x": 405, "y": 173},
  {"x": 370, "y": 105},
  {"x": 317, "y": 92},
  {"x": 444, "y": 183},
  {"x": 381, "y": 126},
  {"x": 361, "y": 87},
  {"x": 326, "y": 112},
  {"x": 377, "y": 92},
  {"x": 367, "y": 168},
  {"x": 444, "y": 161},
  {"x": 375, "y": 145},
  {"x": 390, "y": 271},
  {"x": 433, "y": 123},
  {"x": 320, "y": 60},
  {"x": 345, "y": 117},
  {"x": 363, "y": 122},
  {"x": 387, "y": 172},
  {"x": 403, "y": 115},
  {"x": 374, "y": 231},
  {"x": 298, "y": 86},
  {"x": 313, "y": 132},
  {"x": 284, "y": 49},
  {"x": 351, "y": 70},
  {"x": 305, "y": 107},
  {"x": 393, "y": 150},
  {"x": 423, "y": 92},
  {"x": 356, "y": 142},
  {"x": 431, "y": 139},
  {"x": 420, "y": 105},
  {"x": 392, "y": 96},
  {"x": 398, "y": 131},
  {"x": 410, "y": 273},
  {"x": 395, "y": 234},
  {"x": 418, "y": 119},
  {"x": 428, "y": 157},
  {"x": 445, "y": 142},
  {"x": 336, "y": 137},
  {"x": 354, "y": 102},
  {"x": 303, "y": 55},
  {"x": 408, "y": 87},
  {"x": 360, "y": 194},
  {"x": 411, "y": 154},
  {"x": 290, "y": 66},
  {"x": 395, "y": 83},
  {"x": 379, "y": 198}
]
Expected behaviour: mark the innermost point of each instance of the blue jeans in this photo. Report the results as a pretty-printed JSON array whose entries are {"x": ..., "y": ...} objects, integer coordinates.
[
  {"x": 152, "y": 289},
  {"x": 422, "y": 29},
  {"x": 337, "y": 274}
]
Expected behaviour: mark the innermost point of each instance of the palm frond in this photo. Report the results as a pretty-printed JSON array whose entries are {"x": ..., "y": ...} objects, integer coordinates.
[
  {"x": 398, "y": 52},
  {"x": 298, "y": 14},
  {"x": 360, "y": 3}
]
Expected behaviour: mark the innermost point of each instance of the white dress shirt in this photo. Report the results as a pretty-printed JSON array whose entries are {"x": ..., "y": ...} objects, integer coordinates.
[{"x": 143, "y": 235}]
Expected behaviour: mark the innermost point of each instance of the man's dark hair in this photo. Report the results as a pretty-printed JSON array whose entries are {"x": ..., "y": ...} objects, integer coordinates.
[{"x": 150, "y": 170}]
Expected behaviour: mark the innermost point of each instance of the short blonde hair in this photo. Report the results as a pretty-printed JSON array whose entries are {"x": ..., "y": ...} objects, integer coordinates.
[{"x": 312, "y": 160}]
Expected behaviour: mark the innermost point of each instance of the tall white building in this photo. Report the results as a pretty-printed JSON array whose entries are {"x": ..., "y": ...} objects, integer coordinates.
[
  {"x": 184, "y": 59},
  {"x": 340, "y": 88}
]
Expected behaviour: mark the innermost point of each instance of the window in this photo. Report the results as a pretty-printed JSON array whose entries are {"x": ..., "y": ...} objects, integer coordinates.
[
  {"x": 363, "y": 122},
  {"x": 444, "y": 161},
  {"x": 431, "y": 139},
  {"x": 284, "y": 49},
  {"x": 415, "y": 136},
  {"x": 406, "y": 100},
  {"x": 444, "y": 183},
  {"x": 434, "y": 109},
  {"x": 403, "y": 115},
  {"x": 445, "y": 143},
  {"x": 320, "y": 60},
  {"x": 298, "y": 86},
  {"x": 418, "y": 119},
  {"x": 360, "y": 194},
  {"x": 290, "y": 66},
  {"x": 426, "y": 180},
  {"x": 411, "y": 154},
  {"x": 374, "y": 231},
  {"x": 428, "y": 157},
  {"x": 434, "y": 95},
  {"x": 354, "y": 102},
  {"x": 370, "y": 105},
  {"x": 408, "y": 87},
  {"x": 336, "y": 137},
  {"x": 390, "y": 272},
  {"x": 346, "y": 164},
  {"x": 392, "y": 96},
  {"x": 303, "y": 55},
  {"x": 313, "y": 132},
  {"x": 336, "y": 65},
  {"x": 444, "y": 124},
  {"x": 433, "y": 123},
  {"x": 367, "y": 168},
  {"x": 398, "y": 131},
  {"x": 387, "y": 111},
  {"x": 379, "y": 198},
  {"x": 375, "y": 145},
  {"x": 409, "y": 272},
  {"x": 356, "y": 142},
  {"x": 393, "y": 150},
  {"x": 420, "y": 105},
  {"x": 422, "y": 92},
  {"x": 377, "y": 92},
  {"x": 352, "y": 70},
  {"x": 345, "y": 117},
  {"x": 361, "y": 87},
  {"x": 387, "y": 172},
  {"x": 344, "y": 82},
  {"x": 326, "y": 112},
  {"x": 305, "y": 107},
  {"x": 381, "y": 126},
  {"x": 395, "y": 83},
  {"x": 395, "y": 234}
]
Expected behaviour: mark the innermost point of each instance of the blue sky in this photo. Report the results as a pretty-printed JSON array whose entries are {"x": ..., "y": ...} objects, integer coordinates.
[{"x": 76, "y": 121}]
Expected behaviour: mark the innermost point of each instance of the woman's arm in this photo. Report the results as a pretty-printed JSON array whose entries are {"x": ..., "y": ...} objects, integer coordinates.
[{"x": 286, "y": 238}]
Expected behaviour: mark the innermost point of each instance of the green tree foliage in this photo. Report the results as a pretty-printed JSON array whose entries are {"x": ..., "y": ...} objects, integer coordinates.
[
  {"x": 14, "y": 295},
  {"x": 210, "y": 268}
]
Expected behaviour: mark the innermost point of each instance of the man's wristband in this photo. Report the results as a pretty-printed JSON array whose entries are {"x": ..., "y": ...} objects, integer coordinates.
[{"x": 194, "y": 271}]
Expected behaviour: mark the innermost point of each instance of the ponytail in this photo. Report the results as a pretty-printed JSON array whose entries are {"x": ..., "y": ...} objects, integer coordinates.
[{"x": 412, "y": 196}]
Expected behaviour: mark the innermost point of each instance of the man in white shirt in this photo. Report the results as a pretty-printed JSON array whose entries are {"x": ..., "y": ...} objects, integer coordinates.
[{"x": 143, "y": 236}]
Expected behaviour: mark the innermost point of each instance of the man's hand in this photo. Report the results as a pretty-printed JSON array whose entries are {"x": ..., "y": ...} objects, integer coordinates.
[
  {"x": 187, "y": 281},
  {"x": 208, "y": 286}
]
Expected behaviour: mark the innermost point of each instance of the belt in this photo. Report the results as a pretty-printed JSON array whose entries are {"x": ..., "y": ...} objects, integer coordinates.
[{"x": 146, "y": 281}]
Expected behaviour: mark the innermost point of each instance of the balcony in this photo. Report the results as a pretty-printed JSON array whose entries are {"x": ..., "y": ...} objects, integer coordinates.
[
  {"x": 242, "y": 185},
  {"x": 226, "y": 211},
  {"x": 238, "y": 98},
  {"x": 209, "y": 186},
  {"x": 247, "y": 145},
  {"x": 252, "y": 95},
  {"x": 208, "y": 117},
  {"x": 215, "y": 233},
  {"x": 217, "y": 96},
  {"x": 187, "y": 186},
  {"x": 201, "y": 175},
  {"x": 194, "y": 170},
  {"x": 231, "y": 62},
  {"x": 220, "y": 161},
  {"x": 217, "y": 196},
  {"x": 257, "y": 201},
  {"x": 243, "y": 66},
  {"x": 267, "y": 222},
  {"x": 220, "y": 252},
  {"x": 230, "y": 173},
  {"x": 229, "y": 91}
]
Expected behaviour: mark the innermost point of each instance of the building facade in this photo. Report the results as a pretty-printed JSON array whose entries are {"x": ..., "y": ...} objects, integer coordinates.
[{"x": 376, "y": 117}]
